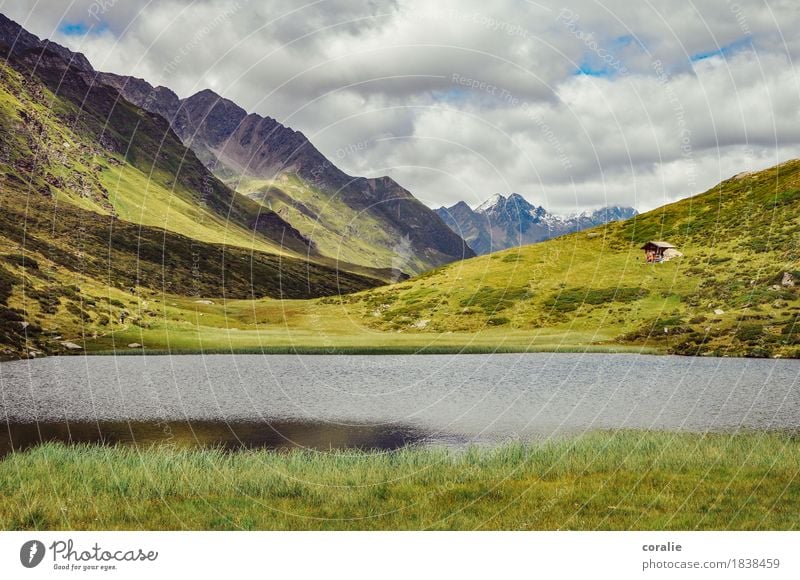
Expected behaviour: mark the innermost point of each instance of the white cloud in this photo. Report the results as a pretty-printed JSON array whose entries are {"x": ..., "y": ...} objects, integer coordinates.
[{"x": 372, "y": 86}]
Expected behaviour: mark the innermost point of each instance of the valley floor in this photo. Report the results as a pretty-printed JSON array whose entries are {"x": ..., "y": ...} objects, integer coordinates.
[
  {"x": 183, "y": 326},
  {"x": 214, "y": 340},
  {"x": 178, "y": 325},
  {"x": 655, "y": 310},
  {"x": 601, "y": 481}
]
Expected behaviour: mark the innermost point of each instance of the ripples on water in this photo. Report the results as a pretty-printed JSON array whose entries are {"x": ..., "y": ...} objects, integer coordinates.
[{"x": 385, "y": 402}]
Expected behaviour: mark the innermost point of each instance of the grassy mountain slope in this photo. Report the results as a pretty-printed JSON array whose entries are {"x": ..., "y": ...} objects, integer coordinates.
[
  {"x": 100, "y": 202},
  {"x": 335, "y": 229},
  {"x": 590, "y": 291},
  {"x": 83, "y": 142},
  {"x": 736, "y": 290},
  {"x": 91, "y": 147}
]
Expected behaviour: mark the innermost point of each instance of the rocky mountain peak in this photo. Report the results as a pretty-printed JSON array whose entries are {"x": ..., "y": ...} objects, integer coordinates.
[
  {"x": 502, "y": 222},
  {"x": 496, "y": 201},
  {"x": 18, "y": 40}
]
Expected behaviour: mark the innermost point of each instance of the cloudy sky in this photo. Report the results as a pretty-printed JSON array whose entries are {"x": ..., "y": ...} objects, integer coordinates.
[{"x": 574, "y": 105}]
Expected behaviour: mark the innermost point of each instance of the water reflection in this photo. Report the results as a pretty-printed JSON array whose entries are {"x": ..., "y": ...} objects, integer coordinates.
[{"x": 283, "y": 435}]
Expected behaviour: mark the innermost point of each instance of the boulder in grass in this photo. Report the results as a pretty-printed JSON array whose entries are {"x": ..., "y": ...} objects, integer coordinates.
[
  {"x": 135, "y": 345},
  {"x": 71, "y": 345}
]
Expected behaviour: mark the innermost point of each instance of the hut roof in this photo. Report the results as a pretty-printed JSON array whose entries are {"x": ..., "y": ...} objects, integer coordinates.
[{"x": 664, "y": 245}]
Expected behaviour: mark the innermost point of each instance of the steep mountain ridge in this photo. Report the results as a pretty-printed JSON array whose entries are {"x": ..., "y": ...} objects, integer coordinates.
[
  {"x": 258, "y": 155},
  {"x": 504, "y": 222},
  {"x": 145, "y": 141},
  {"x": 17, "y": 40},
  {"x": 364, "y": 221}
]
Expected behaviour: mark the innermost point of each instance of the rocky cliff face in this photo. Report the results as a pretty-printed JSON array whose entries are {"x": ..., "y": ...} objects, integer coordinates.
[{"x": 503, "y": 222}]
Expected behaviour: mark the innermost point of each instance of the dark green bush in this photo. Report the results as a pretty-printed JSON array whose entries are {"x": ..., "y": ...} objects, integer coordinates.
[
  {"x": 572, "y": 298},
  {"x": 20, "y": 260},
  {"x": 492, "y": 300},
  {"x": 749, "y": 332}
]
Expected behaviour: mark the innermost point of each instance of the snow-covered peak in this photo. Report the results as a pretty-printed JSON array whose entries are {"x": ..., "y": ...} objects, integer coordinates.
[
  {"x": 511, "y": 221},
  {"x": 585, "y": 214},
  {"x": 514, "y": 210},
  {"x": 552, "y": 219},
  {"x": 491, "y": 203},
  {"x": 602, "y": 215}
]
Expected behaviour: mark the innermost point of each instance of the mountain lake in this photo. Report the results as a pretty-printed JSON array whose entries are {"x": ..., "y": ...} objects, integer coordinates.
[{"x": 385, "y": 402}]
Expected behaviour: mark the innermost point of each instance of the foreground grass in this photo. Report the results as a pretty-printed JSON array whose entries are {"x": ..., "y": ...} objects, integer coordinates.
[{"x": 623, "y": 480}]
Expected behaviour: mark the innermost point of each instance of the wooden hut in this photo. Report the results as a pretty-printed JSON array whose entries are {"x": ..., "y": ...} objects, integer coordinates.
[{"x": 659, "y": 251}]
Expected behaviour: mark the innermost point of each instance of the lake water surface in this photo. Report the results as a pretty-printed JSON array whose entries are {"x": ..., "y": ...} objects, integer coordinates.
[{"x": 385, "y": 402}]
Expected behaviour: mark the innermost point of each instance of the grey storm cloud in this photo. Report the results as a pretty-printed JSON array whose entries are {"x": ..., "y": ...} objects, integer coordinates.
[{"x": 573, "y": 105}]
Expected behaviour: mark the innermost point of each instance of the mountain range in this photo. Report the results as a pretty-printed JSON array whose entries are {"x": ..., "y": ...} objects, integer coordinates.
[
  {"x": 504, "y": 222},
  {"x": 369, "y": 222}
]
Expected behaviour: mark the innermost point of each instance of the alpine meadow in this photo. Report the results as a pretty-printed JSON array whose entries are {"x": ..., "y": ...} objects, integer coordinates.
[{"x": 398, "y": 266}]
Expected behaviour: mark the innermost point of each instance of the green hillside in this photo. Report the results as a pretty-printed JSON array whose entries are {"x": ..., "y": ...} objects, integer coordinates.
[
  {"x": 83, "y": 145},
  {"x": 729, "y": 295},
  {"x": 736, "y": 290},
  {"x": 101, "y": 203},
  {"x": 335, "y": 228}
]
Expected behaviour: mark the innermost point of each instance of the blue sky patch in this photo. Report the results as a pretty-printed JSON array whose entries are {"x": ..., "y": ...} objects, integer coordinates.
[
  {"x": 594, "y": 66},
  {"x": 724, "y": 51},
  {"x": 81, "y": 29},
  {"x": 604, "y": 60},
  {"x": 453, "y": 95},
  {"x": 622, "y": 41},
  {"x": 588, "y": 70}
]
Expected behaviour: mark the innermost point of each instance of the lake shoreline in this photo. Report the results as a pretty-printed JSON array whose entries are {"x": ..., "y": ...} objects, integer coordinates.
[
  {"x": 372, "y": 351},
  {"x": 388, "y": 350},
  {"x": 395, "y": 350}
]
